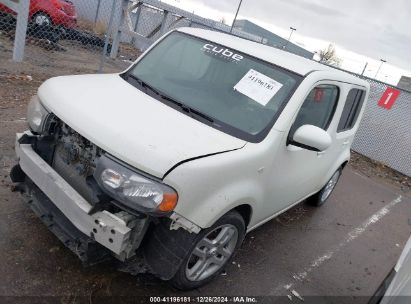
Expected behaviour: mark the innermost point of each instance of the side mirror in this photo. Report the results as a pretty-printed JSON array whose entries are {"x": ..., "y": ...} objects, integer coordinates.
[{"x": 311, "y": 138}]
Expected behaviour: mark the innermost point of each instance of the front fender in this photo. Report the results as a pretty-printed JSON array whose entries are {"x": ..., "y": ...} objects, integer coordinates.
[
  {"x": 215, "y": 205},
  {"x": 210, "y": 187}
]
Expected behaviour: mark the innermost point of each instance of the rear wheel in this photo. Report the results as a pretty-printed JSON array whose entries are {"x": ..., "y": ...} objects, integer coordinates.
[
  {"x": 213, "y": 249},
  {"x": 322, "y": 196}
]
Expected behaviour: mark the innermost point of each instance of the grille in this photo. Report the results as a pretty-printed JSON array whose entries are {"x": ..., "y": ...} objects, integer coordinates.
[{"x": 75, "y": 160}]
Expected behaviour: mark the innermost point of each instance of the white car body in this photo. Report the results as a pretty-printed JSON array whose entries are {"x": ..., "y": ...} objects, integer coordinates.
[
  {"x": 396, "y": 289},
  {"x": 213, "y": 172},
  {"x": 260, "y": 175}
]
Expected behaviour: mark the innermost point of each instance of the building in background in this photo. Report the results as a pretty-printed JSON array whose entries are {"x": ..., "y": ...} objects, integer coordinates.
[
  {"x": 405, "y": 83},
  {"x": 270, "y": 38}
]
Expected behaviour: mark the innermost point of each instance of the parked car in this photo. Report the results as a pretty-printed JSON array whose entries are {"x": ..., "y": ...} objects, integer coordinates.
[
  {"x": 204, "y": 138},
  {"x": 58, "y": 13},
  {"x": 396, "y": 287}
]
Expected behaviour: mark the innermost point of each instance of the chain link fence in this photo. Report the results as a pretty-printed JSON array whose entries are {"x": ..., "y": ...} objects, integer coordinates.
[
  {"x": 81, "y": 34},
  {"x": 385, "y": 135},
  {"x": 86, "y": 32},
  {"x": 61, "y": 32},
  {"x": 152, "y": 18}
]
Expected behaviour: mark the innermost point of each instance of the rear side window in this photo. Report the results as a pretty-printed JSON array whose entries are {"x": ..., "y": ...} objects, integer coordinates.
[
  {"x": 352, "y": 109},
  {"x": 318, "y": 108}
]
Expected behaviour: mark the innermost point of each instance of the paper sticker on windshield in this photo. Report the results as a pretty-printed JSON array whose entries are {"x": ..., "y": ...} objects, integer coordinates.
[{"x": 258, "y": 87}]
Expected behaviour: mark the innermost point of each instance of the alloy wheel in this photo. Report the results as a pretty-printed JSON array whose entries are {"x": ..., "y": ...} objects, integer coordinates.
[
  {"x": 212, "y": 252},
  {"x": 42, "y": 20},
  {"x": 330, "y": 186}
]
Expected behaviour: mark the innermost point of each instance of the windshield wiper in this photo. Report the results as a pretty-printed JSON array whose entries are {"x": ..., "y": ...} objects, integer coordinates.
[
  {"x": 185, "y": 108},
  {"x": 195, "y": 112},
  {"x": 144, "y": 84}
]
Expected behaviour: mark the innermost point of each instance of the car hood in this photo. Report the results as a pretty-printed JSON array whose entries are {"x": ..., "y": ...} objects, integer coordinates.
[{"x": 129, "y": 124}]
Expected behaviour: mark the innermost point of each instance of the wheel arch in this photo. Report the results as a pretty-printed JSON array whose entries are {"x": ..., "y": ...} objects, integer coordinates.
[
  {"x": 246, "y": 211},
  {"x": 340, "y": 163},
  {"x": 160, "y": 241}
]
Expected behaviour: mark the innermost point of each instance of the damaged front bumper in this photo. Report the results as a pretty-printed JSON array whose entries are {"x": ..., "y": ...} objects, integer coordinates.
[{"x": 120, "y": 233}]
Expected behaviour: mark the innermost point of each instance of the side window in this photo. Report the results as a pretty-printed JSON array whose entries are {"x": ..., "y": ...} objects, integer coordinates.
[
  {"x": 352, "y": 109},
  {"x": 318, "y": 108}
]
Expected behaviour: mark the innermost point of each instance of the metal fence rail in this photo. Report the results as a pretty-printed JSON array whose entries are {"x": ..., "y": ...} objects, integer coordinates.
[{"x": 149, "y": 19}]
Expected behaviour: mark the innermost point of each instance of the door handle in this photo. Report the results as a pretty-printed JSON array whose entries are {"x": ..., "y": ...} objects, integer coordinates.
[
  {"x": 347, "y": 142},
  {"x": 320, "y": 153}
]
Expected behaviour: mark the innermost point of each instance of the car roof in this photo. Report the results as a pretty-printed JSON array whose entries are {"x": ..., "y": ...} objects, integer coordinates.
[{"x": 286, "y": 60}]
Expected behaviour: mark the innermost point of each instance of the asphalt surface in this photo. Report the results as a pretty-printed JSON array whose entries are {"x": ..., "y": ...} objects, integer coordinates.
[{"x": 344, "y": 248}]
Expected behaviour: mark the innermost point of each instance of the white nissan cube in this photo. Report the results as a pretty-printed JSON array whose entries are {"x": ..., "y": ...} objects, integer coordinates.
[{"x": 166, "y": 166}]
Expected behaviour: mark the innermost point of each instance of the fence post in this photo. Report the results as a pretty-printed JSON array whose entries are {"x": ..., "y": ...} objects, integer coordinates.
[
  {"x": 21, "y": 30},
  {"x": 107, "y": 39},
  {"x": 138, "y": 13},
  {"x": 164, "y": 23},
  {"x": 120, "y": 8},
  {"x": 97, "y": 11}
]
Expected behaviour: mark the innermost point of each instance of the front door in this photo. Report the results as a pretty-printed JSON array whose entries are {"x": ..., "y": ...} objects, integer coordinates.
[{"x": 300, "y": 172}]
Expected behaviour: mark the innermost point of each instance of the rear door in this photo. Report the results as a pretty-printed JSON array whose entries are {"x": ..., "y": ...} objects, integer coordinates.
[{"x": 349, "y": 119}]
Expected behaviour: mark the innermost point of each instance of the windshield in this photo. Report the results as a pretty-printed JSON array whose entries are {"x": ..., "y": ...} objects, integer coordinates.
[{"x": 239, "y": 94}]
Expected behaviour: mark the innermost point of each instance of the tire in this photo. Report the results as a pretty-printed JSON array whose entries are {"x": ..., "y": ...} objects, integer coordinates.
[
  {"x": 322, "y": 196},
  {"x": 230, "y": 231},
  {"x": 62, "y": 31},
  {"x": 42, "y": 19}
]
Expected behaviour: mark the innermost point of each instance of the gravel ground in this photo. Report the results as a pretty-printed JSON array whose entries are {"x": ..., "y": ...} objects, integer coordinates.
[{"x": 377, "y": 170}]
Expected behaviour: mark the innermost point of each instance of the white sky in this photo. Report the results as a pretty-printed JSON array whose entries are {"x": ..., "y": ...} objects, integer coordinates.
[{"x": 362, "y": 31}]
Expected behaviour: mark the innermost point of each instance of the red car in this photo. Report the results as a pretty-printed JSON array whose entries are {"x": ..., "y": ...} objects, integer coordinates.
[{"x": 60, "y": 13}]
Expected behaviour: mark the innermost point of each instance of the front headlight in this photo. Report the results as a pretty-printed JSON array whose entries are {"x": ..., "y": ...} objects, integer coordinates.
[
  {"x": 36, "y": 115},
  {"x": 134, "y": 190}
]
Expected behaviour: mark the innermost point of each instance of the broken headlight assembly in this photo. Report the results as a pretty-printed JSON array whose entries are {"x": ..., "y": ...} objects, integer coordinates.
[
  {"x": 134, "y": 190},
  {"x": 36, "y": 115}
]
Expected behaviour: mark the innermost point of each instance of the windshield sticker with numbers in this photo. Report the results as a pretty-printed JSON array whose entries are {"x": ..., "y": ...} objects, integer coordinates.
[{"x": 258, "y": 87}]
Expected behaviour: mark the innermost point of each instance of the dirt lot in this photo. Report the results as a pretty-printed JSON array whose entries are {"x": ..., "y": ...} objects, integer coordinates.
[{"x": 305, "y": 249}]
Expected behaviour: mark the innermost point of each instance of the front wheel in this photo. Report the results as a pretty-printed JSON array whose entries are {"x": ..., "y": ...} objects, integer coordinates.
[
  {"x": 321, "y": 197},
  {"x": 213, "y": 249}
]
